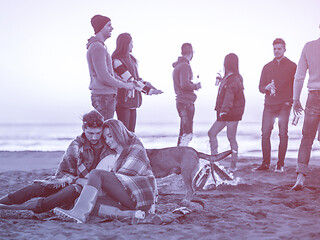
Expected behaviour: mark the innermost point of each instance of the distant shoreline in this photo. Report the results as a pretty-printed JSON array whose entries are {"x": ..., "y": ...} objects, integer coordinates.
[{"x": 29, "y": 160}]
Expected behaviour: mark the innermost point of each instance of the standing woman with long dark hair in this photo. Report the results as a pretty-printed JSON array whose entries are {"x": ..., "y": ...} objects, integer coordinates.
[
  {"x": 229, "y": 106},
  {"x": 126, "y": 67}
]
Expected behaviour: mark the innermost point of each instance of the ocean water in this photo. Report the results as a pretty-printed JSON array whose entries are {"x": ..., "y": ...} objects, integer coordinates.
[{"x": 57, "y": 137}]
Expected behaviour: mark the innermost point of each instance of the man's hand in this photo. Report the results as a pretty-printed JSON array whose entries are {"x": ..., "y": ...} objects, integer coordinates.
[
  {"x": 270, "y": 87},
  {"x": 198, "y": 86},
  {"x": 297, "y": 107},
  {"x": 82, "y": 181},
  {"x": 222, "y": 114},
  {"x": 128, "y": 85}
]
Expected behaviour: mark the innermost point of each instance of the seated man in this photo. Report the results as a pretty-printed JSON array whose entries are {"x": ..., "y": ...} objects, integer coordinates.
[{"x": 83, "y": 154}]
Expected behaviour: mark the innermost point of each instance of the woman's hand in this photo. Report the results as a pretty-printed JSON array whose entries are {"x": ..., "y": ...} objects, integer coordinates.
[{"x": 155, "y": 92}]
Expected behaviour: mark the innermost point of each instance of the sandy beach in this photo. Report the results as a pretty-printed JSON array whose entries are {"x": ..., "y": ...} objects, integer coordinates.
[{"x": 261, "y": 206}]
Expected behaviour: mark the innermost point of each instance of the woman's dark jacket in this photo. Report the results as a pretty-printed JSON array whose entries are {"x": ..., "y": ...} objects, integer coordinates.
[{"x": 230, "y": 98}]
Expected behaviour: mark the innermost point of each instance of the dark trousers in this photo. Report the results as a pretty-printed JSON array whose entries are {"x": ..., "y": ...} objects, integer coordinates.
[
  {"x": 186, "y": 114},
  {"x": 51, "y": 197},
  {"x": 128, "y": 117},
  {"x": 270, "y": 113}
]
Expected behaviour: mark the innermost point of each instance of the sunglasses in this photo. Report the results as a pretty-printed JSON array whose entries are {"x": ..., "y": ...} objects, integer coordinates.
[{"x": 93, "y": 124}]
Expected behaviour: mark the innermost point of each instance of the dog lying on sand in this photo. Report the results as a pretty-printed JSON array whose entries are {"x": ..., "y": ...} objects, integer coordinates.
[{"x": 180, "y": 160}]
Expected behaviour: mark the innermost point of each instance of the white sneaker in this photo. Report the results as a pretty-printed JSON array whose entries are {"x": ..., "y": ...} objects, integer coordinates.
[
  {"x": 299, "y": 183},
  {"x": 278, "y": 169},
  {"x": 185, "y": 139}
]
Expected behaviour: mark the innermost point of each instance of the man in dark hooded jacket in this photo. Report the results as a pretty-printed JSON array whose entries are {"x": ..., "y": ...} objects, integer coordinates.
[{"x": 185, "y": 96}]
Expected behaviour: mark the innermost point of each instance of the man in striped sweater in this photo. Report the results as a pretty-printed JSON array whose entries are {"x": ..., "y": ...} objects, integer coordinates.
[{"x": 309, "y": 60}]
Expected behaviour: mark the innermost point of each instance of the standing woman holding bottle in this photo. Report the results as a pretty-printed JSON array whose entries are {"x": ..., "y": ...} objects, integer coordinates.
[
  {"x": 125, "y": 66},
  {"x": 229, "y": 106}
]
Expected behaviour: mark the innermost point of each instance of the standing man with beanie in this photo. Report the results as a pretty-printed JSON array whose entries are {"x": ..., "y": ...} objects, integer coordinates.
[
  {"x": 276, "y": 83},
  {"x": 309, "y": 60},
  {"x": 185, "y": 96},
  {"x": 103, "y": 84}
]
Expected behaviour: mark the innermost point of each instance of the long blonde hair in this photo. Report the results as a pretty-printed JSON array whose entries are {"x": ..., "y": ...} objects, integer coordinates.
[{"x": 118, "y": 131}]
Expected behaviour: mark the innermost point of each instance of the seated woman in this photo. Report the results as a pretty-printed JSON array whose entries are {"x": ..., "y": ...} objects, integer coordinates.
[{"x": 127, "y": 179}]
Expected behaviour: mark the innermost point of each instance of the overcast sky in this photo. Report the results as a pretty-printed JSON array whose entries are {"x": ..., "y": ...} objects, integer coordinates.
[{"x": 44, "y": 73}]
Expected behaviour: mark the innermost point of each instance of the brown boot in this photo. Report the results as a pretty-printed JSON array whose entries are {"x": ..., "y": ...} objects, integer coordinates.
[{"x": 5, "y": 200}]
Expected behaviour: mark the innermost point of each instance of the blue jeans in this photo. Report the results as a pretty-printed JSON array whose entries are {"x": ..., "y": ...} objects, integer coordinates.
[
  {"x": 186, "y": 113},
  {"x": 231, "y": 135},
  {"x": 270, "y": 113},
  {"x": 309, "y": 130},
  {"x": 105, "y": 104},
  {"x": 128, "y": 117},
  {"x": 51, "y": 197}
]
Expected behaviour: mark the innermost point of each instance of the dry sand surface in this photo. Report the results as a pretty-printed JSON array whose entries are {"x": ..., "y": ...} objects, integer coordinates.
[{"x": 262, "y": 206}]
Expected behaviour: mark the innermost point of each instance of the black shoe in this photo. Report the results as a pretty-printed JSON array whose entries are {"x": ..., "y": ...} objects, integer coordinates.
[{"x": 262, "y": 168}]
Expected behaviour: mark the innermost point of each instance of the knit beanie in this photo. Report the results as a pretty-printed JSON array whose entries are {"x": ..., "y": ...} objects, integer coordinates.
[{"x": 98, "y": 22}]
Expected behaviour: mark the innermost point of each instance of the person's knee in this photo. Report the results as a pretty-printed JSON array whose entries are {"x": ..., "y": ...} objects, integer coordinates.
[
  {"x": 266, "y": 134},
  {"x": 97, "y": 177},
  {"x": 39, "y": 208},
  {"x": 95, "y": 173},
  {"x": 184, "y": 120},
  {"x": 266, "y": 130},
  {"x": 182, "y": 113},
  {"x": 73, "y": 189},
  {"x": 212, "y": 133},
  {"x": 283, "y": 135}
]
